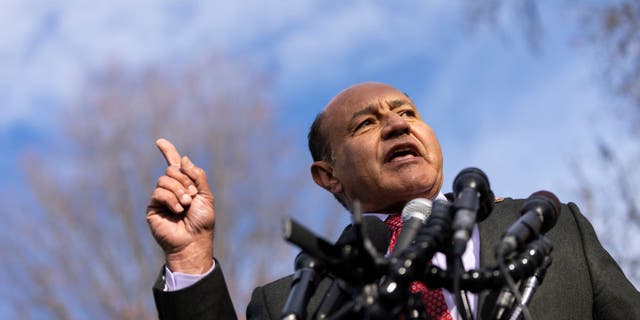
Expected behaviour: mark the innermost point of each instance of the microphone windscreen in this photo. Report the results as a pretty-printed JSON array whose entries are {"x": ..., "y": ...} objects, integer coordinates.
[
  {"x": 419, "y": 208},
  {"x": 476, "y": 179},
  {"x": 548, "y": 204}
]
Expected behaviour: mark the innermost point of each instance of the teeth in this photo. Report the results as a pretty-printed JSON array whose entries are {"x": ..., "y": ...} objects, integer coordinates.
[{"x": 403, "y": 152}]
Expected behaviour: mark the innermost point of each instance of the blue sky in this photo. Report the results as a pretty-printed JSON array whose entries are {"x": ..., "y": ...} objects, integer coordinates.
[{"x": 495, "y": 104}]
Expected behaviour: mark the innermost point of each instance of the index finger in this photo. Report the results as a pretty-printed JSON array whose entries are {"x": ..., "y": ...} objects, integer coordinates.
[{"x": 169, "y": 152}]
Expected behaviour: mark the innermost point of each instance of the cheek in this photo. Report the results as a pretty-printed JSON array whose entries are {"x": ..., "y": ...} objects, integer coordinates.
[
  {"x": 432, "y": 146},
  {"x": 349, "y": 158},
  {"x": 436, "y": 153},
  {"x": 360, "y": 150},
  {"x": 360, "y": 159},
  {"x": 359, "y": 163}
]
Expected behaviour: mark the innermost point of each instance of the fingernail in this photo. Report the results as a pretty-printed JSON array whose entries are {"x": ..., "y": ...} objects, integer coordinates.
[
  {"x": 178, "y": 208},
  {"x": 185, "y": 198},
  {"x": 192, "y": 190}
]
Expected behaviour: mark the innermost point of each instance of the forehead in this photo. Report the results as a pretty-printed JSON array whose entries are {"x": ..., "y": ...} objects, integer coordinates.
[{"x": 359, "y": 97}]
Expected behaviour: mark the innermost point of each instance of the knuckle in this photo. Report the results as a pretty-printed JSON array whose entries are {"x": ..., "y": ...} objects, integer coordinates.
[
  {"x": 184, "y": 180},
  {"x": 186, "y": 163},
  {"x": 163, "y": 181},
  {"x": 172, "y": 171},
  {"x": 156, "y": 195}
]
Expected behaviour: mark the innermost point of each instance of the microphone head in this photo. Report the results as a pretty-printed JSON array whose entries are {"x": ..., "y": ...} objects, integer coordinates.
[
  {"x": 419, "y": 208},
  {"x": 477, "y": 180},
  {"x": 546, "y": 205}
]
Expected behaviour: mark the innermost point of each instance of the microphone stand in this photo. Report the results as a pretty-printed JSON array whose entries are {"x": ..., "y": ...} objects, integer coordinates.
[
  {"x": 335, "y": 296},
  {"x": 462, "y": 301},
  {"x": 305, "y": 280},
  {"x": 530, "y": 287},
  {"x": 503, "y": 303}
]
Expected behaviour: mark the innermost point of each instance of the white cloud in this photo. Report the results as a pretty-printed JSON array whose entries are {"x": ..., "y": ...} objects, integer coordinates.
[
  {"x": 307, "y": 41},
  {"x": 311, "y": 43},
  {"x": 49, "y": 47},
  {"x": 53, "y": 45},
  {"x": 359, "y": 37}
]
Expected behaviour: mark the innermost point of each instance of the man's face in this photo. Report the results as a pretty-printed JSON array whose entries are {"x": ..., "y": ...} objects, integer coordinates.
[{"x": 383, "y": 153}]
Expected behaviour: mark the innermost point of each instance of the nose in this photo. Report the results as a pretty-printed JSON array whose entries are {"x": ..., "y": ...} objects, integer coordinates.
[{"x": 394, "y": 125}]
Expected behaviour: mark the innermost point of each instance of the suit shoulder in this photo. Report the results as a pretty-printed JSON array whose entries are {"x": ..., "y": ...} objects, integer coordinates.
[
  {"x": 284, "y": 282},
  {"x": 268, "y": 300}
]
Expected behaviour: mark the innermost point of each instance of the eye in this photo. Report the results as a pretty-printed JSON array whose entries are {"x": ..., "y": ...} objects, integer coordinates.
[
  {"x": 364, "y": 123},
  {"x": 407, "y": 113}
]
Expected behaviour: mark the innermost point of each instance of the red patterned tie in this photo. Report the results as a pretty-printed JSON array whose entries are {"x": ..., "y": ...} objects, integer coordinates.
[{"x": 433, "y": 299}]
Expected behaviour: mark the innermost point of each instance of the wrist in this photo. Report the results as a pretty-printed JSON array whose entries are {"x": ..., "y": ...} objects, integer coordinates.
[{"x": 196, "y": 258}]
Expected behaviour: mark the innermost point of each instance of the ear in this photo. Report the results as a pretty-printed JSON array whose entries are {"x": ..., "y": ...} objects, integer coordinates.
[{"x": 322, "y": 173}]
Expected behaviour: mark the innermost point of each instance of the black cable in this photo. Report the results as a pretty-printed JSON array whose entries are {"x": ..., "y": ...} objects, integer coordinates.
[
  {"x": 512, "y": 286},
  {"x": 462, "y": 305}
]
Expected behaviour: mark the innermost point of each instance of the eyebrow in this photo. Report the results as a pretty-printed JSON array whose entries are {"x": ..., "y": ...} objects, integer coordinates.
[
  {"x": 369, "y": 109},
  {"x": 395, "y": 103}
]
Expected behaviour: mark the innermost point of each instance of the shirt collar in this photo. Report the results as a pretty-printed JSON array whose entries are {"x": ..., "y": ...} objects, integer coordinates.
[{"x": 384, "y": 216}]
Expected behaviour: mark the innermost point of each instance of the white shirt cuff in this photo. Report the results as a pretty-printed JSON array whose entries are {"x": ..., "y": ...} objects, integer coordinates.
[{"x": 174, "y": 281}]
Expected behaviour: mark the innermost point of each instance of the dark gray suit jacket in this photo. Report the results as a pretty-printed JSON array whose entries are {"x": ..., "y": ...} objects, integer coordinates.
[{"x": 583, "y": 282}]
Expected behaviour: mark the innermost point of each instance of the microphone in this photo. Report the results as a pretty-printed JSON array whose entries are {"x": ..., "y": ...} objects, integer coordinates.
[
  {"x": 353, "y": 257},
  {"x": 530, "y": 287},
  {"x": 374, "y": 229},
  {"x": 339, "y": 291},
  {"x": 313, "y": 245},
  {"x": 333, "y": 299},
  {"x": 362, "y": 245},
  {"x": 539, "y": 214},
  {"x": 414, "y": 216},
  {"x": 409, "y": 265},
  {"x": 536, "y": 257},
  {"x": 348, "y": 259},
  {"x": 474, "y": 202},
  {"x": 305, "y": 280}
]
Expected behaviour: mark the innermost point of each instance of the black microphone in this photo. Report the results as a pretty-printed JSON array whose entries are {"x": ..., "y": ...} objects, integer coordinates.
[
  {"x": 305, "y": 280},
  {"x": 474, "y": 202},
  {"x": 539, "y": 214},
  {"x": 374, "y": 229},
  {"x": 335, "y": 296},
  {"x": 377, "y": 232},
  {"x": 530, "y": 287},
  {"x": 306, "y": 240},
  {"x": 361, "y": 242},
  {"x": 536, "y": 257},
  {"x": 414, "y": 215},
  {"x": 347, "y": 258}
]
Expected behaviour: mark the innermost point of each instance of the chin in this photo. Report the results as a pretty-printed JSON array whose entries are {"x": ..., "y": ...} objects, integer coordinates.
[
  {"x": 412, "y": 181},
  {"x": 420, "y": 186},
  {"x": 408, "y": 191}
]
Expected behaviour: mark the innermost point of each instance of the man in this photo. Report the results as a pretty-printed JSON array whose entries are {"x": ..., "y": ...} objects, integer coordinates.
[{"x": 371, "y": 144}]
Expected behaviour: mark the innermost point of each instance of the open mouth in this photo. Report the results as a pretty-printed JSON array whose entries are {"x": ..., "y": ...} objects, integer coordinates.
[{"x": 402, "y": 152}]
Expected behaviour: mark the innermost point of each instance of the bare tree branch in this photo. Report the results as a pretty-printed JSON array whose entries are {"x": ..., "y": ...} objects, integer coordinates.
[{"x": 90, "y": 196}]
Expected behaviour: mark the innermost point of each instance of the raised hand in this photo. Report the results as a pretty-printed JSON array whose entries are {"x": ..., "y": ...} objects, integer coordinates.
[{"x": 181, "y": 215}]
